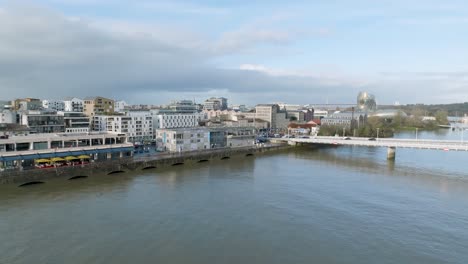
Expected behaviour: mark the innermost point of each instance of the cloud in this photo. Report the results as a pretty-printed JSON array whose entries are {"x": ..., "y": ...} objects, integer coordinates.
[{"x": 46, "y": 54}]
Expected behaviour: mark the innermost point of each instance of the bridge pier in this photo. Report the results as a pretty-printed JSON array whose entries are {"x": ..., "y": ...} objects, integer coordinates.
[{"x": 391, "y": 152}]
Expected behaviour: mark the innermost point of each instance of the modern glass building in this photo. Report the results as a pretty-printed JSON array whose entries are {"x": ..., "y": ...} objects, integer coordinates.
[{"x": 366, "y": 102}]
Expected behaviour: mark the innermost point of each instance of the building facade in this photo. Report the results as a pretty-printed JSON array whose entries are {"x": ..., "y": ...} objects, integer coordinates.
[
  {"x": 271, "y": 113},
  {"x": 75, "y": 122},
  {"x": 180, "y": 107},
  {"x": 137, "y": 127},
  {"x": 26, "y": 104},
  {"x": 163, "y": 121},
  {"x": 345, "y": 119},
  {"x": 54, "y": 105},
  {"x": 73, "y": 104},
  {"x": 183, "y": 139},
  {"x": 215, "y": 103},
  {"x": 120, "y": 106},
  {"x": 98, "y": 106},
  {"x": 7, "y": 116},
  {"x": 42, "y": 121}
]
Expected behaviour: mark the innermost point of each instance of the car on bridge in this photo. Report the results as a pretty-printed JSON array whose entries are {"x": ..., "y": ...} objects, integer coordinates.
[
  {"x": 347, "y": 138},
  {"x": 372, "y": 139}
]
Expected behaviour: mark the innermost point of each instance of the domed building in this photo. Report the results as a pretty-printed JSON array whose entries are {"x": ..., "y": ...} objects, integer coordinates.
[{"x": 366, "y": 102}]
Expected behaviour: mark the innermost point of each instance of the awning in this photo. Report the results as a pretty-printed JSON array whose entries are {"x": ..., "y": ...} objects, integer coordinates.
[
  {"x": 42, "y": 161},
  {"x": 69, "y": 158}
]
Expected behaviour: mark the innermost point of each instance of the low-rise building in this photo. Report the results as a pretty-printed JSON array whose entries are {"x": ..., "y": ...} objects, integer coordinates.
[
  {"x": 7, "y": 116},
  {"x": 73, "y": 104},
  {"x": 75, "y": 122},
  {"x": 345, "y": 119},
  {"x": 40, "y": 121},
  {"x": 309, "y": 128},
  {"x": 53, "y": 105},
  {"x": 183, "y": 139}
]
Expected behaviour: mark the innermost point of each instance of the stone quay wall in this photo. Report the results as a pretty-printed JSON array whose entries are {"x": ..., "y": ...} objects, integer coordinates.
[{"x": 131, "y": 164}]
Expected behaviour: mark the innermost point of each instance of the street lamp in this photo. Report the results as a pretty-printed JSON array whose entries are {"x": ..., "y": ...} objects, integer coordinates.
[
  {"x": 378, "y": 133},
  {"x": 416, "y": 133}
]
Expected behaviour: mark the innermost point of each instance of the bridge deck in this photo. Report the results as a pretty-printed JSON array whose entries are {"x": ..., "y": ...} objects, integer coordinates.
[{"x": 385, "y": 142}]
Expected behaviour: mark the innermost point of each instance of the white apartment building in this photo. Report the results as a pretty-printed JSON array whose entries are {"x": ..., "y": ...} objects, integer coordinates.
[
  {"x": 177, "y": 120},
  {"x": 56, "y": 105},
  {"x": 178, "y": 140},
  {"x": 120, "y": 106},
  {"x": 7, "y": 116},
  {"x": 73, "y": 104},
  {"x": 137, "y": 126}
]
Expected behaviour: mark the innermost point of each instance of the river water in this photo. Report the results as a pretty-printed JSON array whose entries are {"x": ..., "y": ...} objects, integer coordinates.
[{"x": 331, "y": 205}]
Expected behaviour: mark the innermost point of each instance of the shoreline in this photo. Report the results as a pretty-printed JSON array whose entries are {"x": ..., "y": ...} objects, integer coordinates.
[{"x": 123, "y": 165}]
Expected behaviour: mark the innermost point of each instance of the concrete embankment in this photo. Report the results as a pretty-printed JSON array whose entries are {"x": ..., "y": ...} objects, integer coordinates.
[{"x": 131, "y": 164}]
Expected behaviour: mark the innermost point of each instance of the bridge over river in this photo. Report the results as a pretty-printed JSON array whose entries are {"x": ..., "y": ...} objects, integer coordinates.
[{"x": 390, "y": 143}]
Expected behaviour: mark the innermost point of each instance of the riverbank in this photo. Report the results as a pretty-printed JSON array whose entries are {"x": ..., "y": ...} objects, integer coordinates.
[{"x": 125, "y": 164}]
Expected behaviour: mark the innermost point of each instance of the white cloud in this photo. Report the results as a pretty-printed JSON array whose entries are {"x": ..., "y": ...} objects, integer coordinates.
[{"x": 45, "y": 54}]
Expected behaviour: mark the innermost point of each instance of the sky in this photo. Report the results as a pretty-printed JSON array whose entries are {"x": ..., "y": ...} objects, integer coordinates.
[{"x": 300, "y": 52}]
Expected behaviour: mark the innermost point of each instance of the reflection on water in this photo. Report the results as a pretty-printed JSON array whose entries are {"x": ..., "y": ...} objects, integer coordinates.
[{"x": 330, "y": 205}]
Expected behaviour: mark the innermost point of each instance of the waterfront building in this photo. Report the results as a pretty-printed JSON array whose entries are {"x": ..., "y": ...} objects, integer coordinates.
[
  {"x": 183, "y": 139},
  {"x": 98, "y": 106},
  {"x": 215, "y": 103},
  {"x": 136, "y": 125},
  {"x": 40, "y": 121},
  {"x": 54, "y": 105},
  {"x": 26, "y": 104},
  {"x": 75, "y": 122},
  {"x": 73, "y": 104},
  {"x": 21, "y": 152}
]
